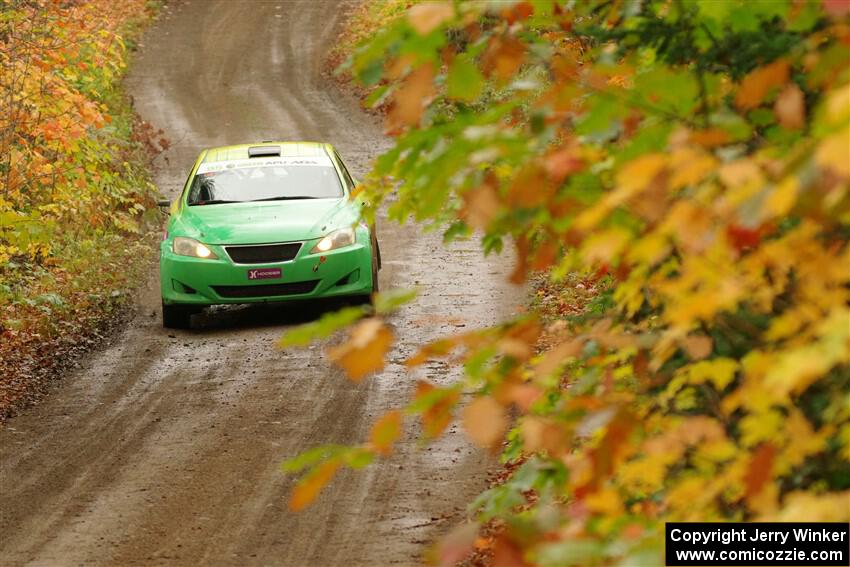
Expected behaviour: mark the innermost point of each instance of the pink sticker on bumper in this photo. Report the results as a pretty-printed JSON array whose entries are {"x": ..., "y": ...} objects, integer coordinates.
[{"x": 264, "y": 273}]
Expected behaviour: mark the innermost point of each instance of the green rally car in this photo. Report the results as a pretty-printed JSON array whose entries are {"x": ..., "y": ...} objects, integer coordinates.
[{"x": 265, "y": 222}]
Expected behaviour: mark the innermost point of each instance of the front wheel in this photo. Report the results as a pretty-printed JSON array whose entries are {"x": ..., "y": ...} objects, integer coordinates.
[
  {"x": 375, "y": 267},
  {"x": 176, "y": 316}
]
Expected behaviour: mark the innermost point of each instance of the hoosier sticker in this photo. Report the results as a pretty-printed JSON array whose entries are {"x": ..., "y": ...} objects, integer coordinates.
[{"x": 264, "y": 273}]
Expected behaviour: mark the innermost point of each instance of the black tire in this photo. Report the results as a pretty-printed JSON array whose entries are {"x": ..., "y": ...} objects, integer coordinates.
[
  {"x": 176, "y": 317},
  {"x": 376, "y": 265}
]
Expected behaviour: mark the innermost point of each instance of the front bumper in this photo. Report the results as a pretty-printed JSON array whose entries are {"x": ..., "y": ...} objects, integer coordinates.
[{"x": 194, "y": 281}]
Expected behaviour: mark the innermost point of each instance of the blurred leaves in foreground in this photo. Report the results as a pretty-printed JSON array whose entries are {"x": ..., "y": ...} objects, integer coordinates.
[{"x": 691, "y": 161}]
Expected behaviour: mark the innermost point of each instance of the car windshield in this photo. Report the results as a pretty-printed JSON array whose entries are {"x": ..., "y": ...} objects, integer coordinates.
[{"x": 277, "y": 180}]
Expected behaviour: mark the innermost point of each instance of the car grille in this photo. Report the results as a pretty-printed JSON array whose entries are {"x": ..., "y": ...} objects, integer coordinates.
[
  {"x": 271, "y": 290},
  {"x": 263, "y": 253}
]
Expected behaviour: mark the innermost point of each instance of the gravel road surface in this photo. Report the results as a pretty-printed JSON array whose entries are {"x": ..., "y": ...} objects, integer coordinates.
[{"x": 164, "y": 448}]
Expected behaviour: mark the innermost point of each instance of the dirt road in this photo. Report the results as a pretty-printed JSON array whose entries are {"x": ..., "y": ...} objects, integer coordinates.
[{"x": 164, "y": 448}]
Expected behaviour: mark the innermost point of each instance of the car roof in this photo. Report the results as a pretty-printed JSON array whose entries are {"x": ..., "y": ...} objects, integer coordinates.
[{"x": 287, "y": 149}]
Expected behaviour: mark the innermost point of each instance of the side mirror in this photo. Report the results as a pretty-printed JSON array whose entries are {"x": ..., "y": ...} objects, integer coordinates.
[{"x": 164, "y": 204}]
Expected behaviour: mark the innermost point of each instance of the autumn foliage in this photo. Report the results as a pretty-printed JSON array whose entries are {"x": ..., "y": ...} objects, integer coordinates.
[
  {"x": 73, "y": 182},
  {"x": 689, "y": 158}
]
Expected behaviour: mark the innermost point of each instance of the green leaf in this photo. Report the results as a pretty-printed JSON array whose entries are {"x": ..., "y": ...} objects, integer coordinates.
[
  {"x": 378, "y": 96},
  {"x": 464, "y": 81},
  {"x": 312, "y": 457},
  {"x": 667, "y": 91},
  {"x": 323, "y": 328},
  {"x": 389, "y": 301},
  {"x": 573, "y": 552}
]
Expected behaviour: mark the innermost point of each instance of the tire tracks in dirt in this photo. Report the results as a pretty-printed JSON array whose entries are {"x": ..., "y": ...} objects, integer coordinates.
[{"x": 163, "y": 449}]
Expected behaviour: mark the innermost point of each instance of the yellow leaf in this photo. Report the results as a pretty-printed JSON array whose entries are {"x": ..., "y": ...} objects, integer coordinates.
[
  {"x": 385, "y": 432},
  {"x": 485, "y": 421},
  {"x": 364, "y": 352},
  {"x": 802, "y": 440},
  {"x": 689, "y": 166},
  {"x": 719, "y": 371},
  {"x": 634, "y": 177},
  {"x": 760, "y": 427},
  {"x": 837, "y": 109},
  {"x": 781, "y": 199},
  {"x": 637, "y": 174},
  {"x": 833, "y": 153},
  {"x": 804, "y": 506},
  {"x": 605, "y": 502},
  {"x": 603, "y": 247},
  {"x": 427, "y": 16},
  {"x": 745, "y": 176},
  {"x": 311, "y": 484},
  {"x": 649, "y": 249},
  {"x": 795, "y": 369}
]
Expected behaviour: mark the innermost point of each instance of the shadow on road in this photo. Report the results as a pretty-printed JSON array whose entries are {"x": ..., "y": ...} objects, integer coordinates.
[{"x": 259, "y": 315}]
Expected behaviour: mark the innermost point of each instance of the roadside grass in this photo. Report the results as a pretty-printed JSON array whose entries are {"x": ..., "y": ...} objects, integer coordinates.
[{"x": 90, "y": 235}]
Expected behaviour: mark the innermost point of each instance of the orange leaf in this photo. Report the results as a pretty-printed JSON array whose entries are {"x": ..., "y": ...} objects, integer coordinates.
[
  {"x": 521, "y": 267},
  {"x": 438, "y": 416},
  {"x": 697, "y": 346},
  {"x": 364, "y": 352},
  {"x": 518, "y": 12},
  {"x": 755, "y": 86},
  {"x": 610, "y": 450},
  {"x": 836, "y": 8},
  {"x": 485, "y": 421},
  {"x": 481, "y": 205},
  {"x": 556, "y": 356},
  {"x": 561, "y": 163},
  {"x": 710, "y": 137},
  {"x": 503, "y": 57},
  {"x": 531, "y": 187},
  {"x": 438, "y": 348},
  {"x": 410, "y": 100},
  {"x": 543, "y": 434},
  {"x": 760, "y": 469},
  {"x": 427, "y": 16},
  {"x": 507, "y": 554},
  {"x": 545, "y": 255},
  {"x": 790, "y": 108},
  {"x": 311, "y": 484},
  {"x": 457, "y": 544},
  {"x": 523, "y": 395},
  {"x": 385, "y": 432}
]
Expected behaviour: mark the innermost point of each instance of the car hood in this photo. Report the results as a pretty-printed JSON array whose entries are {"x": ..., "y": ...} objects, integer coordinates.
[{"x": 270, "y": 221}]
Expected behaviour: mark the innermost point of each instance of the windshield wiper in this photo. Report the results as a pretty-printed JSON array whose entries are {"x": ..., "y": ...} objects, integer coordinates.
[
  {"x": 214, "y": 202},
  {"x": 287, "y": 198}
]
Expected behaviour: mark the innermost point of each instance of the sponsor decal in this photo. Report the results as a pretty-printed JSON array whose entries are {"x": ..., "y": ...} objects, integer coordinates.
[
  {"x": 264, "y": 273},
  {"x": 314, "y": 161}
]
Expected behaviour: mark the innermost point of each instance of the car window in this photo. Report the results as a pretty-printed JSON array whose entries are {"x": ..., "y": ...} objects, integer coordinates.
[
  {"x": 265, "y": 182},
  {"x": 348, "y": 179}
]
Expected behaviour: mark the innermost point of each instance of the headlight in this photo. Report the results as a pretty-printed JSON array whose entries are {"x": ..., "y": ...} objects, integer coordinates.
[
  {"x": 336, "y": 239},
  {"x": 183, "y": 246}
]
